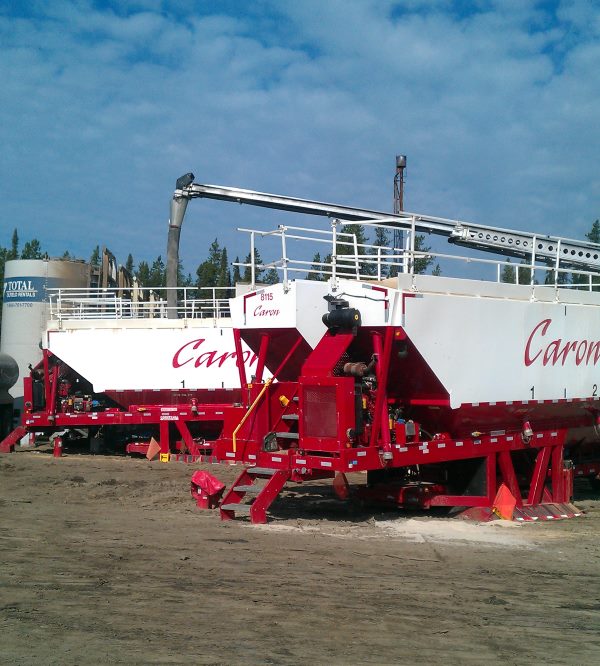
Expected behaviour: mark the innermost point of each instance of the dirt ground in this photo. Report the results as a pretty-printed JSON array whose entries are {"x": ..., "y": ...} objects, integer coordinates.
[{"x": 108, "y": 560}]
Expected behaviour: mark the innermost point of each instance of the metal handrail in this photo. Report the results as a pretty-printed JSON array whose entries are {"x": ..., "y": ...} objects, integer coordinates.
[
  {"x": 389, "y": 259},
  {"x": 141, "y": 303}
]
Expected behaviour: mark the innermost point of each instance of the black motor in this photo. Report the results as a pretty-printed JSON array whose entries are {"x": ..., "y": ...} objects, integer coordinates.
[{"x": 341, "y": 317}]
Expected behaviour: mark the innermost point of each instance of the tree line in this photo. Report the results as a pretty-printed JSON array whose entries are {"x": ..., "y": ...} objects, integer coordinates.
[
  {"x": 367, "y": 263},
  {"x": 215, "y": 271}
]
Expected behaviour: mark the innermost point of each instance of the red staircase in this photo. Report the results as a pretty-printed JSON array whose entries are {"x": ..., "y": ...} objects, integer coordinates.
[
  {"x": 7, "y": 445},
  {"x": 249, "y": 486}
]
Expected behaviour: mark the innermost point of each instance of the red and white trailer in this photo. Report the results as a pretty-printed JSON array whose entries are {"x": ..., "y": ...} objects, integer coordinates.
[
  {"x": 446, "y": 391},
  {"x": 118, "y": 373},
  {"x": 453, "y": 392}
]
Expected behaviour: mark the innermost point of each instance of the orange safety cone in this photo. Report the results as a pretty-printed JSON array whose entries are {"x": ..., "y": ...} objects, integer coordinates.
[
  {"x": 504, "y": 503},
  {"x": 153, "y": 449}
]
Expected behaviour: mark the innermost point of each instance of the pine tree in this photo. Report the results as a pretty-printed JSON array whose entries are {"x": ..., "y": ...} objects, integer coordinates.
[
  {"x": 421, "y": 264},
  {"x": 346, "y": 261},
  {"x": 247, "y": 277},
  {"x": 214, "y": 253},
  {"x": 271, "y": 277},
  {"x": 158, "y": 273},
  {"x": 13, "y": 253},
  {"x": 3, "y": 259},
  {"x": 208, "y": 271},
  {"x": 182, "y": 282},
  {"x": 224, "y": 271},
  {"x": 382, "y": 240},
  {"x": 382, "y": 237},
  {"x": 315, "y": 269},
  {"x": 129, "y": 264},
  {"x": 560, "y": 279},
  {"x": 524, "y": 273},
  {"x": 32, "y": 250},
  {"x": 593, "y": 235},
  {"x": 143, "y": 274},
  {"x": 180, "y": 274},
  {"x": 237, "y": 277},
  {"x": 508, "y": 273},
  {"x": 95, "y": 258}
]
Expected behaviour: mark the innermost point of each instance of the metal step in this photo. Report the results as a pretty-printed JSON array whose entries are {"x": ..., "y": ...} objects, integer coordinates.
[
  {"x": 248, "y": 488},
  {"x": 7, "y": 445},
  {"x": 261, "y": 471},
  {"x": 287, "y": 435},
  {"x": 290, "y": 417},
  {"x": 238, "y": 508}
]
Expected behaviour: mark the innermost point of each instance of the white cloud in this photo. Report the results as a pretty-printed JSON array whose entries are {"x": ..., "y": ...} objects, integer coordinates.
[{"x": 101, "y": 110}]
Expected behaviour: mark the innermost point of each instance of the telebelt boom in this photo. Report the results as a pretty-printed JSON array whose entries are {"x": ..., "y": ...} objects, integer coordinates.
[{"x": 508, "y": 242}]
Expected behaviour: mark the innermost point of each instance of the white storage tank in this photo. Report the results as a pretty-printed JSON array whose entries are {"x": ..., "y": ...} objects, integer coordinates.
[{"x": 25, "y": 309}]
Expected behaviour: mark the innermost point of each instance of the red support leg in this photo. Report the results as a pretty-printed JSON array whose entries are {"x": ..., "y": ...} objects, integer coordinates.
[
  {"x": 288, "y": 356},
  {"x": 509, "y": 476},
  {"x": 187, "y": 438},
  {"x": 262, "y": 355},
  {"x": 539, "y": 475},
  {"x": 490, "y": 477},
  {"x": 558, "y": 486},
  {"x": 165, "y": 445}
]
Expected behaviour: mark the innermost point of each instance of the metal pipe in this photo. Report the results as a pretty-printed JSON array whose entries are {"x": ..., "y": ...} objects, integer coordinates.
[
  {"x": 556, "y": 266},
  {"x": 252, "y": 265},
  {"x": 179, "y": 204},
  {"x": 334, "y": 223},
  {"x": 286, "y": 286},
  {"x": 356, "y": 264},
  {"x": 478, "y": 236},
  {"x": 532, "y": 273}
]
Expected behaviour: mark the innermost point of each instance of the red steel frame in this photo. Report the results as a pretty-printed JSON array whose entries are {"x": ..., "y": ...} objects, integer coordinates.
[
  {"x": 264, "y": 408},
  {"x": 181, "y": 416},
  {"x": 542, "y": 478}
]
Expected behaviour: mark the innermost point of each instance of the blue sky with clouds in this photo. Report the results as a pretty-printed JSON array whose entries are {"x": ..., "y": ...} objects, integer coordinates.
[{"x": 103, "y": 105}]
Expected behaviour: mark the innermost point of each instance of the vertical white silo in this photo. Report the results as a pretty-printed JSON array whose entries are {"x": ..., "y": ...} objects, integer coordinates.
[{"x": 25, "y": 307}]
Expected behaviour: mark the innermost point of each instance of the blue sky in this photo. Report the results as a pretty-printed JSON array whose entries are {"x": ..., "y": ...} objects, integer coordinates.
[{"x": 496, "y": 103}]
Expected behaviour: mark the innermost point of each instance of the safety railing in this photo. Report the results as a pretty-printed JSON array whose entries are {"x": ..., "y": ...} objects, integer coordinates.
[
  {"x": 139, "y": 303},
  {"x": 345, "y": 257}
]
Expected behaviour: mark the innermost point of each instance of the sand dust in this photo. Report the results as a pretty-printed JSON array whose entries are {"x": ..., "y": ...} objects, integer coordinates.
[{"x": 107, "y": 561}]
